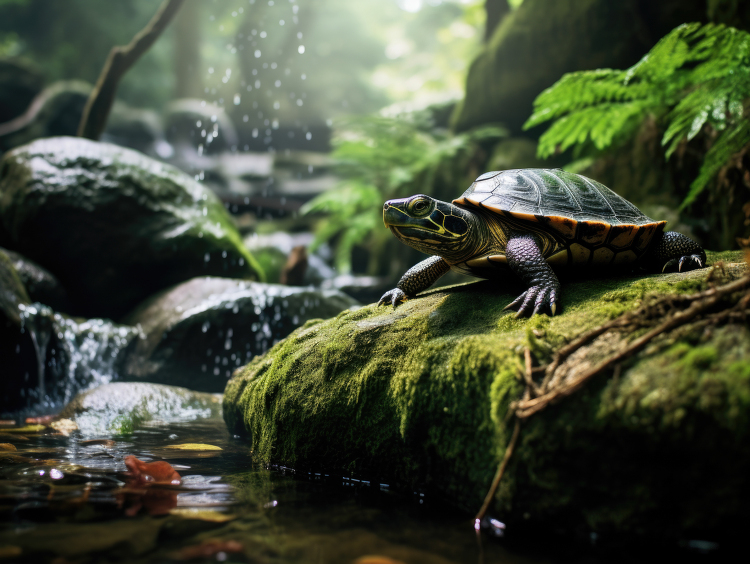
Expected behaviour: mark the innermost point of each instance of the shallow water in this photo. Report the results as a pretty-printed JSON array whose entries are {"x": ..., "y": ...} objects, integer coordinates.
[{"x": 66, "y": 500}]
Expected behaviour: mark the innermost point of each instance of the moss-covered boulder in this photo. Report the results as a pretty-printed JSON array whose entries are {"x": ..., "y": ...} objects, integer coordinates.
[
  {"x": 198, "y": 332},
  {"x": 421, "y": 394},
  {"x": 113, "y": 225},
  {"x": 543, "y": 39}
]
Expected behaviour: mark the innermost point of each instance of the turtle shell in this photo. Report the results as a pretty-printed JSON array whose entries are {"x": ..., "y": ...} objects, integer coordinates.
[{"x": 590, "y": 223}]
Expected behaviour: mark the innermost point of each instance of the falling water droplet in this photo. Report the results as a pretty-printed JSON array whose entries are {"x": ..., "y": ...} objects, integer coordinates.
[{"x": 301, "y": 49}]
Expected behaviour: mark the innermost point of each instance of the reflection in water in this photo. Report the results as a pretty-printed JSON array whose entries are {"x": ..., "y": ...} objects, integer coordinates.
[{"x": 134, "y": 498}]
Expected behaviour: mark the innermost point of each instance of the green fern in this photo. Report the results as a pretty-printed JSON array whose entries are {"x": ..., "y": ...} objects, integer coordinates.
[
  {"x": 697, "y": 75},
  {"x": 381, "y": 158}
]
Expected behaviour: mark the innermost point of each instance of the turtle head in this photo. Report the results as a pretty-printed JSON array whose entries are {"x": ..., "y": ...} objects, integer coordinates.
[{"x": 429, "y": 225}]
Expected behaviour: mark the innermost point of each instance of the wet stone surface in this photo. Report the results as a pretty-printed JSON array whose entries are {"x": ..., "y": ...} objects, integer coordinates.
[{"x": 197, "y": 333}]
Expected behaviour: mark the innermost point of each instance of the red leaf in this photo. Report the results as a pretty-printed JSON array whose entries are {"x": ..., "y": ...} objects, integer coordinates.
[{"x": 159, "y": 472}]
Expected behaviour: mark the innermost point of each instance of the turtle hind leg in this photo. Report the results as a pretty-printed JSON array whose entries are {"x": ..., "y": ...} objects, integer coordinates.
[{"x": 674, "y": 251}]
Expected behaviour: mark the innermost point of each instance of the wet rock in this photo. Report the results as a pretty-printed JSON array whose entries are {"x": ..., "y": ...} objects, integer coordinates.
[
  {"x": 57, "y": 356},
  {"x": 420, "y": 394},
  {"x": 113, "y": 225},
  {"x": 273, "y": 250},
  {"x": 19, "y": 362},
  {"x": 19, "y": 83},
  {"x": 366, "y": 289},
  {"x": 41, "y": 284},
  {"x": 121, "y": 407},
  {"x": 197, "y": 333},
  {"x": 56, "y": 110},
  {"x": 540, "y": 41},
  {"x": 206, "y": 128},
  {"x": 137, "y": 129}
]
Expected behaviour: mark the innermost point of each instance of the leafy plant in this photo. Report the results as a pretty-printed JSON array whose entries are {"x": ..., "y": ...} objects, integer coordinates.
[
  {"x": 381, "y": 158},
  {"x": 696, "y": 76}
]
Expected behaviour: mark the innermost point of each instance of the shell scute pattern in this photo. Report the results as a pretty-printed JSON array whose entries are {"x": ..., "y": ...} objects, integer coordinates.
[{"x": 595, "y": 224}]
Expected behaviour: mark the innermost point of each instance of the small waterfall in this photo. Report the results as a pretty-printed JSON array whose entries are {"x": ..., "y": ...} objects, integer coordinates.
[{"x": 72, "y": 355}]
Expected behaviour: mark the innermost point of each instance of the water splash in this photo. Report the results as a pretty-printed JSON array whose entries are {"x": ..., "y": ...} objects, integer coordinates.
[{"x": 71, "y": 355}]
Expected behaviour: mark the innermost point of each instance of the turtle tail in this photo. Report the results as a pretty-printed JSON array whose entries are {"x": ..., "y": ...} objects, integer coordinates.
[{"x": 674, "y": 251}]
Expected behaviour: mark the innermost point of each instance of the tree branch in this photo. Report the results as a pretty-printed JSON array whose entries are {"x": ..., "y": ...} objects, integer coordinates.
[{"x": 119, "y": 61}]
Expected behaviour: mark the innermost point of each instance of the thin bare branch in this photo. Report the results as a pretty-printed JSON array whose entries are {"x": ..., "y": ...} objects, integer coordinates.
[{"x": 120, "y": 59}]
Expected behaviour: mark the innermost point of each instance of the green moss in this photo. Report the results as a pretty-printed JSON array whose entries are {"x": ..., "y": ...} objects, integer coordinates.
[{"x": 420, "y": 394}]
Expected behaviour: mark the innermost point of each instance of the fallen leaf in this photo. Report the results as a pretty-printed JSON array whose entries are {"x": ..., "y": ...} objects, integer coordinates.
[
  {"x": 7, "y": 447},
  {"x": 7, "y": 422},
  {"x": 26, "y": 429},
  {"x": 43, "y": 420},
  {"x": 203, "y": 514},
  {"x": 194, "y": 446},
  {"x": 159, "y": 472},
  {"x": 207, "y": 549},
  {"x": 64, "y": 426}
]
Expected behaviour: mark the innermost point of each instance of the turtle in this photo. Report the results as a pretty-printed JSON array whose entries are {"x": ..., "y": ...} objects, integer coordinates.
[{"x": 530, "y": 222}]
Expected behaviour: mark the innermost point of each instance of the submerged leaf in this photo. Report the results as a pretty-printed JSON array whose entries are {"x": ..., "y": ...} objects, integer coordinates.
[
  {"x": 160, "y": 472},
  {"x": 208, "y": 515},
  {"x": 7, "y": 447},
  {"x": 194, "y": 446}
]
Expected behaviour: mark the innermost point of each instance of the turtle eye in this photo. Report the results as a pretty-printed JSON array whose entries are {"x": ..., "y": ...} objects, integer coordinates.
[{"x": 419, "y": 207}]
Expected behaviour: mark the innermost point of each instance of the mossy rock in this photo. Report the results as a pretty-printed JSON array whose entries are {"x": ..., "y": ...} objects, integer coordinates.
[
  {"x": 420, "y": 395},
  {"x": 540, "y": 41},
  {"x": 113, "y": 225}
]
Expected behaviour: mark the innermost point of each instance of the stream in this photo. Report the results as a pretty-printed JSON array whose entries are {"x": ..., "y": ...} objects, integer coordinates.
[{"x": 68, "y": 499}]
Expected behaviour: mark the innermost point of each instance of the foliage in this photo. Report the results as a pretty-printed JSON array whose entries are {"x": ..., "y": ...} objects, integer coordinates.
[
  {"x": 381, "y": 158},
  {"x": 696, "y": 76}
]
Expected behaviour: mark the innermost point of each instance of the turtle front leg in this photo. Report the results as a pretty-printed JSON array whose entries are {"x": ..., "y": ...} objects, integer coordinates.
[
  {"x": 419, "y": 277},
  {"x": 525, "y": 259},
  {"x": 672, "y": 250}
]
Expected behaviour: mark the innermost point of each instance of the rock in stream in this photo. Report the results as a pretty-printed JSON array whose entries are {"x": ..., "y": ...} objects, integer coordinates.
[
  {"x": 113, "y": 225},
  {"x": 420, "y": 394},
  {"x": 198, "y": 332}
]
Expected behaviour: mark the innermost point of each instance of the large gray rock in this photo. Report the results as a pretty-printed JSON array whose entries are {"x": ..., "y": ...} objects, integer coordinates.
[
  {"x": 197, "y": 333},
  {"x": 422, "y": 394},
  {"x": 113, "y": 225},
  {"x": 543, "y": 39}
]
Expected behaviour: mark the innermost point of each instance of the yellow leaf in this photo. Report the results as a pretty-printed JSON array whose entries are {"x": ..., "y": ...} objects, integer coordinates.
[
  {"x": 194, "y": 446},
  {"x": 7, "y": 447},
  {"x": 202, "y": 514}
]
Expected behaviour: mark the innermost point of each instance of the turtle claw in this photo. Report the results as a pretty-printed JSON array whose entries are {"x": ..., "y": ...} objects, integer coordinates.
[
  {"x": 690, "y": 262},
  {"x": 538, "y": 296},
  {"x": 394, "y": 296},
  {"x": 684, "y": 263}
]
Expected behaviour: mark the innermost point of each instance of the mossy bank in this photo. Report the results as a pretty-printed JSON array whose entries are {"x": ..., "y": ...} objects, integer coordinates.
[{"x": 420, "y": 395}]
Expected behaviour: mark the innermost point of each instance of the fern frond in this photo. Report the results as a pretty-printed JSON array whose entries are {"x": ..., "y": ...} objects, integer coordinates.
[{"x": 729, "y": 143}]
